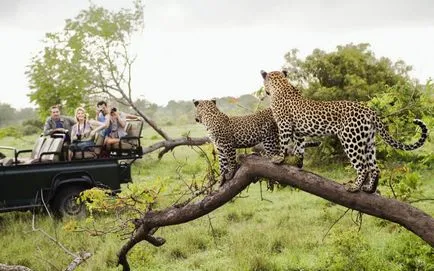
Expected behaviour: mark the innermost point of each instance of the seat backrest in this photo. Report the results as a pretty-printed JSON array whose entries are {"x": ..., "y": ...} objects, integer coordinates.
[
  {"x": 45, "y": 148},
  {"x": 37, "y": 147},
  {"x": 56, "y": 146},
  {"x": 136, "y": 128}
]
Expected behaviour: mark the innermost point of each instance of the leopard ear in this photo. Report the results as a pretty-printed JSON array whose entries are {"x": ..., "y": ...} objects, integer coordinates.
[
  {"x": 214, "y": 100},
  {"x": 196, "y": 102},
  {"x": 285, "y": 72},
  {"x": 264, "y": 74}
]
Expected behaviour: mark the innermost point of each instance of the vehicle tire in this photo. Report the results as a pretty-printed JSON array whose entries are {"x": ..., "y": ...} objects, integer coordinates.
[{"x": 65, "y": 204}]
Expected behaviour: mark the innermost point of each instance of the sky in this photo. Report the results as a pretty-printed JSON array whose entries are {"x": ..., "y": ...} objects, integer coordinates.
[{"x": 195, "y": 49}]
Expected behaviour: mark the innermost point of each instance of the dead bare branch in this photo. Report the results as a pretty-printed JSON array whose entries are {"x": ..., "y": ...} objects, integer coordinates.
[
  {"x": 170, "y": 144},
  {"x": 77, "y": 261},
  {"x": 5, "y": 267}
]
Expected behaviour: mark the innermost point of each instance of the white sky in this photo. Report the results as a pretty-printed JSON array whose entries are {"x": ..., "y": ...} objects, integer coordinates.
[{"x": 193, "y": 49}]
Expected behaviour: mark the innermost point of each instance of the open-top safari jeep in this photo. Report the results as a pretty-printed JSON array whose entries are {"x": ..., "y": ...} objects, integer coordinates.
[{"x": 44, "y": 175}]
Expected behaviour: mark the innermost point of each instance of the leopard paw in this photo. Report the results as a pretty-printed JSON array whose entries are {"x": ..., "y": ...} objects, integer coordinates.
[
  {"x": 351, "y": 187},
  {"x": 277, "y": 159}
]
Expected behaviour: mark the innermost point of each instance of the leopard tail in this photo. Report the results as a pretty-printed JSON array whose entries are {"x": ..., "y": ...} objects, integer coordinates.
[{"x": 398, "y": 145}]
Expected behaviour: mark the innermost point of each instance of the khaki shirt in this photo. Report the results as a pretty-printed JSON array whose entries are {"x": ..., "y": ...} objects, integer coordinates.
[{"x": 50, "y": 124}]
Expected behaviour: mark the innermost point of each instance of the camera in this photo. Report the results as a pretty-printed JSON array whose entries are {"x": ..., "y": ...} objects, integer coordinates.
[{"x": 113, "y": 110}]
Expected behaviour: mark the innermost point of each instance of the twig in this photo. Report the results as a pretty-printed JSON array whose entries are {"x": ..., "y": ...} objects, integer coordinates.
[
  {"x": 334, "y": 223},
  {"x": 52, "y": 238},
  {"x": 419, "y": 200},
  {"x": 391, "y": 186},
  {"x": 77, "y": 261}
]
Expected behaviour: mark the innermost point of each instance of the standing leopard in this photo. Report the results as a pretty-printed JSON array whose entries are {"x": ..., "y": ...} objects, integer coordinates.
[
  {"x": 229, "y": 133},
  {"x": 354, "y": 124}
]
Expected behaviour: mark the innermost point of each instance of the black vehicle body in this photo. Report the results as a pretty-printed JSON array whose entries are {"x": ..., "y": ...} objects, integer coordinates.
[
  {"x": 49, "y": 179},
  {"x": 23, "y": 187}
]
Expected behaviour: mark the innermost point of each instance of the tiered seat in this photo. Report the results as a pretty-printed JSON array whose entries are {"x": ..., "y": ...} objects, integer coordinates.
[
  {"x": 129, "y": 144},
  {"x": 46, "y": 149}
]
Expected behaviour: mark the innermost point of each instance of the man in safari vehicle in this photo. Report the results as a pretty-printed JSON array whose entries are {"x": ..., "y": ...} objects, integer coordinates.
[{"x": 57, "y": 122}]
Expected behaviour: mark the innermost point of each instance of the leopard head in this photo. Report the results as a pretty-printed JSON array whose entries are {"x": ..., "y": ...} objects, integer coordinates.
[
  {"x": 203, "y": 108},
  {"x": 274, "y": 80}
]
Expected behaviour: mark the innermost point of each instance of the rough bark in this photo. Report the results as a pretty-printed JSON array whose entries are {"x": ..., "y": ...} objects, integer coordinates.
[
  {"x": 78, "y": 260},
  {"x": 5, "y": 267},
  {"x": 170, "y": 144},
  {"x": 253, "y": 167}
]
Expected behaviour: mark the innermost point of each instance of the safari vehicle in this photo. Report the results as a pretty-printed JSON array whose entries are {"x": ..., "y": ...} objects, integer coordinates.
[{"x": 45, "y": 176}]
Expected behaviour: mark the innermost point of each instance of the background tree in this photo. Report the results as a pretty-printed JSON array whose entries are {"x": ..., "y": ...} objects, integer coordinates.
[
  {"x": 7, "y": 114},
  {"x": 90, "y": 57}
]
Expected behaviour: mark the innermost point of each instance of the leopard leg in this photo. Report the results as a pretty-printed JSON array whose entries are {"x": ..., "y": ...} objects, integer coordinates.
[
  {"x": 299, "y": 150},
  {"x": 223, "y": 163},
  {"x": 227, "y": 160},
  {"x": 285, "y": 135},
  {"x": 356, "y": 154},
  {"x": 271, "y": 146},
  {"x": 232, "y": 165},
  {"x": 374, "y": 171}
]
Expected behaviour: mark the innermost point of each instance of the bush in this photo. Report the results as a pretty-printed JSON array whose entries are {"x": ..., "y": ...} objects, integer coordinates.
[
  {"x": 12, "y": 131},
  {"x": 31, "y": 130},
  {"x": 410, "y": 253}
]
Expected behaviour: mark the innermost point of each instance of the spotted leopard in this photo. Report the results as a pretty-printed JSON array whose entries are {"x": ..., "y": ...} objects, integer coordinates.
[
  {"x": 229, "y": 133},
  {"x": 354, "y": 124}
]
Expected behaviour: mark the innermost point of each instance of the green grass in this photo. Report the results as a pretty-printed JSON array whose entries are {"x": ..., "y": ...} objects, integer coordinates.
[{"x": 288, "y": 230}]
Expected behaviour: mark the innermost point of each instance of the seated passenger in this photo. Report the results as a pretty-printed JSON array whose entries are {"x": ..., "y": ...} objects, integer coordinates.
[
  {"x": 58, "y": 123},
  {"x": 117, "y": 123},
  {"x": 82, "y": 134},
  {"x": 114, "y": 124}
]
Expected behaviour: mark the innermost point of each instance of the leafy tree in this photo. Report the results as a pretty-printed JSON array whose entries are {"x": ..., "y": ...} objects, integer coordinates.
[
  {"x": 7, "y": 114},
  {"x": 352, "y": 72},
  {"x": 89, "y": 57}
]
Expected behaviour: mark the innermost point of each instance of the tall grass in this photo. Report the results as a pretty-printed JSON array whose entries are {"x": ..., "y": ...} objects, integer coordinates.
[{"x": 286, "y": 230}]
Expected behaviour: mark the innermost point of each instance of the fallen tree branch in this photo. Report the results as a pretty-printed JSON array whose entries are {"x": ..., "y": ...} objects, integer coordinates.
[
  {"x": 78, "y": 260},
  {"x": 5, "y": 267},
  {"x": 170, "y": 144},
  {"x": 253, "y": 167}
]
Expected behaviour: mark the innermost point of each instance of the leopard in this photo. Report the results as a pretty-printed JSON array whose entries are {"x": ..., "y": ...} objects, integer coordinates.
[
  {"x": 354, "y": 124},
  {"x": 229, "y": 133}
]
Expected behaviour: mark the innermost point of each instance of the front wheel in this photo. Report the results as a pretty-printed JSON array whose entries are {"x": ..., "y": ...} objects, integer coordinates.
[{"x": 66, "y": 204}]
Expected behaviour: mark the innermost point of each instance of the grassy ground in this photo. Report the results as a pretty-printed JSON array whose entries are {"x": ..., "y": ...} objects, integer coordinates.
[{"x": 283, "y": 229}]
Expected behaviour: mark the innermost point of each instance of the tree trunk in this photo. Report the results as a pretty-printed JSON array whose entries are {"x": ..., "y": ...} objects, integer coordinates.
[{"x": 253, "y": 167}]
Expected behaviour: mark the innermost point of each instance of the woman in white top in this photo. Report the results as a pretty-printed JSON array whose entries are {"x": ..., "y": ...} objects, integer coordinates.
[{"x": 82, "y": 133}]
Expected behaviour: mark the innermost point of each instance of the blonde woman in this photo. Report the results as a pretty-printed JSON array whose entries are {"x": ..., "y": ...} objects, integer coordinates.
[{"x": 82, "y": 133}]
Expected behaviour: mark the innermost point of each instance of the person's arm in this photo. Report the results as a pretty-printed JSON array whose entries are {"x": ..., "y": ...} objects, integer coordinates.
[
  {"x": 105, "y": 125},
  {"x": 47, "y": 127},
  {"x": 121, "y": 120},
  {"x": 94, "y": 123},
  {"x": 131, "y": 116},
  {"x": 74, "y": 132},
  {"x": 72, "y": 121}
]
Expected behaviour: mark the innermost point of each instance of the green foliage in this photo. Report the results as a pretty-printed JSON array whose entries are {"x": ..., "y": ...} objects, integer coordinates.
[
  {"x": 410, "y": 253},
  {"x": 12, "y": 131},
  {"x": 352, "y": 72},
  {"x": 12, "y": 116},
  {"x": 349, "y": 252},
  {"x": 77, "y": 63},
  {"x": 401, "y": 182},
  {"x": 135, "y": 198}
]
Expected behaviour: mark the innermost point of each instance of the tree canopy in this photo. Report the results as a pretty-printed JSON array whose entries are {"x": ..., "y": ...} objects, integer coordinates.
[{"x": 89, "y": 57}]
